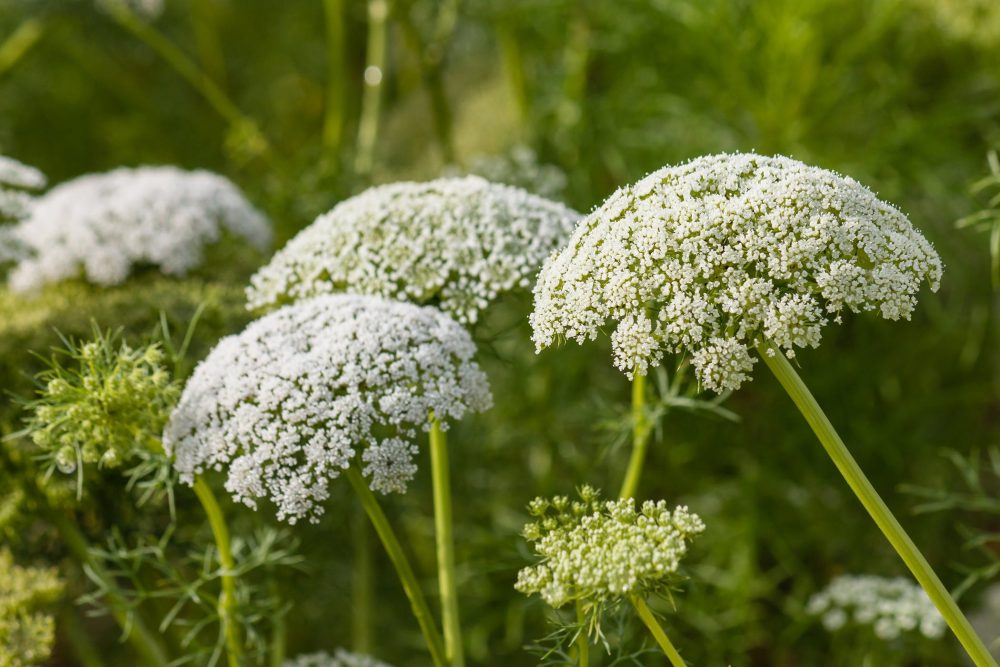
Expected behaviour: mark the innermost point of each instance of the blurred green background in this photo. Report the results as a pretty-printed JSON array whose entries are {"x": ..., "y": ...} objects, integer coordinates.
[{"x": 903, "y": 95}]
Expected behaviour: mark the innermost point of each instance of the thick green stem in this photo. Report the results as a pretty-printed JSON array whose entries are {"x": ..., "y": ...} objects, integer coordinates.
[
  {"x": 647, "y": 616},
  {"x": 371, "y": 99},
  {"x": 873, "y": 503},
  {"x": 407, "y": 578},
  {"x": 227, "y": 595},
  {"x": 640, "y": 437},
  {"x": 513, "y": 65},
  {"x": 362, "y": 586},
  {"x": 142, "y": 639},
  {"x": 333, "y": 113},
  {"x": 582, "y": 640},
  {"x": 445, "y": 545}
]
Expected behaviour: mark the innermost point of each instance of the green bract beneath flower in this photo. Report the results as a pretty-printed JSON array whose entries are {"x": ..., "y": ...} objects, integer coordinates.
[
  {"x": 340, "y": 658},
  {"x": 456, "y": 243},
  {"x": 891, "y": 607},
  {"x": 101, "y": 404},
  {"x": 723, "y": 253},
  {"x": 286, "y": 405},
  {"x": 600, "y": 551},
  {"x": 26, "y": 631}
]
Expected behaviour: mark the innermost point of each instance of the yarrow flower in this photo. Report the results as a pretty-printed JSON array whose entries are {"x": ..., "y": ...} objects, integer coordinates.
[
  {"x": 27, "y": 631},
  {"x": 602, "y": 551},
  {"x": 287, "y": 404},
  {"x": 891, "y": 607},
  {"x": 716, "y": 256},
  {"x": 106, "y": 403},
  {"x": 340, "y": 658},
  {"x": 456, "y": 243},
  {"x": 102, "y": 226}
]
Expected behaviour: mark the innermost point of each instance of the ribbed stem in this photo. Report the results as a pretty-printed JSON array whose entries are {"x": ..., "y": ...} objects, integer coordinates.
[
  {"x": 582, "y": 640},
  {"x": 227, "y": 596},
  {"x": 646, "y": 614},
  {"x": 873, "y": 503},
  {"x": 640, "y": 437},
  {"x": 445, "y": 545},
  {"x": 371, "y": 98},
  {"x": 407, "y": 578}
]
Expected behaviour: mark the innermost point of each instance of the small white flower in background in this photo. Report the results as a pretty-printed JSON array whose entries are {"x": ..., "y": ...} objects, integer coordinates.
[
  {"x": 288, "y": 403},
  {"x": 102, "y": 225},
  {"x": 340, "y": 658},
  {"x": 890, "y": 606},
  {"x": 457, "y": 243},
  {"x": 519, "y": 167},
  {"x": 599, "y": 551},
  {"x": 717, "y": 255}
]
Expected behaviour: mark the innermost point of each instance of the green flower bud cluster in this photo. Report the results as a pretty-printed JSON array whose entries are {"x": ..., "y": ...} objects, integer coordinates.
[
  {"x": 26, "y": 631},
  {"x": 600, "y": 551},
  {"x": 107, "y": 402}
]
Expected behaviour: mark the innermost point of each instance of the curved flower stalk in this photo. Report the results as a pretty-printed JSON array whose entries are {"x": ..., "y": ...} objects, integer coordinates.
[
  {"x": 27, "y": 630},
  {"x": 340, "y": 658},
  {"x": 339, "y": 384},
  {"x": 733, "y": 257},
  {"x": 109, "y": 406},
  {"x": 457, "y": 243},
  {"x": 104, "y": 226},
  {"x": 599, "y": 553}
]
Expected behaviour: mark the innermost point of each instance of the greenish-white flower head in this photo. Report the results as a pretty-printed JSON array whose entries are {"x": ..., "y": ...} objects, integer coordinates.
[
  {"x": 103, "y": 226},
  {"x": 27, "y": 629},
  {"x": 100, "y": 402},
  {"x": 600, "y": 551},
  {"x": 457, "y": 243},
  {"x": 716, "y": 256},
  {"x": 340, "y": 658},
  {"x": 312, "y": 388},
  {"x": 890, "y": 607}
]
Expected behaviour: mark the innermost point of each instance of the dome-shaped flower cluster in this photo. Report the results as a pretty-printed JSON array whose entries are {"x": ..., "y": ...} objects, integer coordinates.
[
  {"x": 715, "y": 256},
  {"x": 27, "y": 631},
  {"x": 598, "y": 551},
  {"x": 101, "y": 226},
  {"x": 288, "y": 403},
  {"x": 454, "y": 242},
  {"x": 340, "y": 658},
  {"x": 891, "y": 606}
]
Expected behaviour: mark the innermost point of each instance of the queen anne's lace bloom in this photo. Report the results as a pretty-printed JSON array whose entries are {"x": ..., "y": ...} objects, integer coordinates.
[
  {"x": 722, "y": 253},
  {"x": 102, "y": 225},
  {"x": 599, "y": 551},
  {"x": 340, "y": 658},
  {"x": 455, "y": 242},
  {"x": 288, "y": 403},
  {"x": 891, "y": 607}
]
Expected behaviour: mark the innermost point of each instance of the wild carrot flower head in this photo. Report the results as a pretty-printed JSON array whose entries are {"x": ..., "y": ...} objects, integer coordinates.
[
  {"x": 456, "y": 243},
  {"x": 599, "y": 551},
  {"x": 340, "y": 658},
  {"x": 891, "y": 607},
  {"x": 27, "y": 632},
  {"x": 288, "y": 403},
  {"x": 727, "y": 251},
  {"x": 101, "y": 226}
]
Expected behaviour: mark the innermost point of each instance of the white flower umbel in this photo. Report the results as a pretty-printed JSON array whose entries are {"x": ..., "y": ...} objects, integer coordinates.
[
  {"x": 456, "y": 243},
  {"x": 100, "y": 226},
  {"x": 286, "y": 405},
  {"x": 340, "y": 658},
  {"x": 712, "y": 257},
  {"x": 890, "y": 606}
]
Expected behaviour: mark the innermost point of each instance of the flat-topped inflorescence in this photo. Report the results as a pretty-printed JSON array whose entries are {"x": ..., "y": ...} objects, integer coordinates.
[
  {"x": 716, "y": 256},
  {"x": 286, "y": 405},
  {"x": 340, "y": 658},
  {"x": 890, "y": 606},
  {"x": 101, "y": 226},
  {"x": 598, "y": 551},
  {"x": 27, "y": 629},
  {"x": 457, "y": 243}
]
